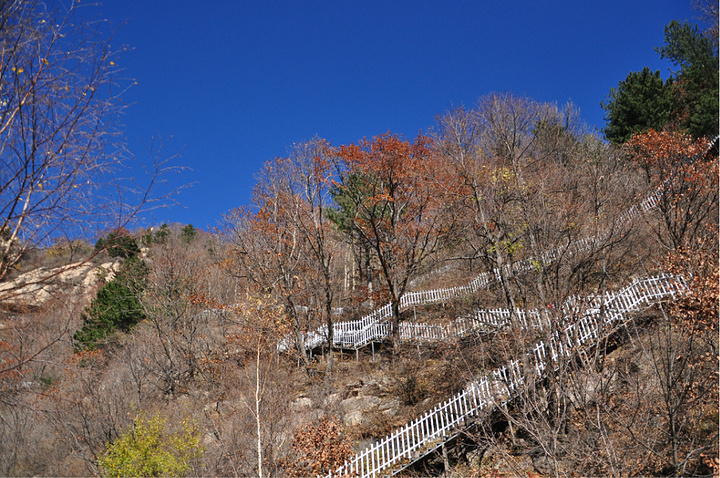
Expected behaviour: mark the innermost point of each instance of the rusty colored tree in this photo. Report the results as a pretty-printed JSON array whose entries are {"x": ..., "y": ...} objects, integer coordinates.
[{"x": 387, "y": 194}]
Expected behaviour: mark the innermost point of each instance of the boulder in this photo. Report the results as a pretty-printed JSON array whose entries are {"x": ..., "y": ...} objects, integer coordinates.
[
  {"x": 332, "y": 400},
  {"x": 352, "y": 389},
  {"x": 301, "y": 405},
  {"x": 357, "y": 409},
  {"x": 378, "y": 388},
  {"x": 389, "y": 407}
]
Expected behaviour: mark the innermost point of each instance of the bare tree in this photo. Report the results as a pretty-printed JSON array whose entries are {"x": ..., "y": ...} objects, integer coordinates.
[
  {"x": 300, "y": 187},
  {"x": 708, "y": 14},
  {"x": 259, "y": 323},
  {"x": 180, "y": 331},
  {"x": 488, "y": 149},
  {"x": 60, "y": 156},
  {"x": 685, "y": 172},
  {"x": 268, "y": 255},
  {"x": 529, "y": 184}
]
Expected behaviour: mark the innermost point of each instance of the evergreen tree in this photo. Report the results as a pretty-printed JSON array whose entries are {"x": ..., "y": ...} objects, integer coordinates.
[
  {"x": 642, "y": 101},
  {"x": 188, "y": 233},
  {"x": 687, "y": 101},
  {"x": 116, "y": 305},
  {"x": 118, "y": 244},
  {"x": 162, "y": 234},
  {"x": 695, "y": 85}
]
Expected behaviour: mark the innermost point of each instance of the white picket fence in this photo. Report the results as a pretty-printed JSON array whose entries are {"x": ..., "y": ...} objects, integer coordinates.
[
  {"x": 435, "y": 427},
  {"x": 481, "y": 319},
  {"x": 440, "y": 424},
  {"x": 359, "y": 333}
]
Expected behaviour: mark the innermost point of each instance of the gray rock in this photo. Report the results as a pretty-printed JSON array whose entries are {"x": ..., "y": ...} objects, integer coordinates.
[
  {"x": 301, "y": 404},
  {"x": 544, "y": 465},
  {"x": 363, "y": 404},
  {"x": 389, "y": 407},
  {"x": 209, "y": 439},
  {"x": 332, "y": 400},
  {"x": 352, "y": 389},
  {"x": 377, "y": 388},
  {"x": 38, "y": 287},
  {"x": 353, "y": 418},
  {"x": 357, "y": 409}
]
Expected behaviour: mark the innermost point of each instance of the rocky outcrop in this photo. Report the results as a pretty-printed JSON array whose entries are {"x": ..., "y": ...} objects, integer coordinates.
[
  {"x": 364, "y": 401},
  {"x": 360, "y": 403},
  {"x": 36, "y": 288},
  {"x": 356, "y": 409}
]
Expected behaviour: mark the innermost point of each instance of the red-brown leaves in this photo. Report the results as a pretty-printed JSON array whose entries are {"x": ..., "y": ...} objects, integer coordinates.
[
  {"x": 394, "y": 202},
  {"x": 688, "y": 176},
  {"x": 659, "y": 153},
  {"x": 698, "y": 263},
  {"x": 317, "y": 450}
]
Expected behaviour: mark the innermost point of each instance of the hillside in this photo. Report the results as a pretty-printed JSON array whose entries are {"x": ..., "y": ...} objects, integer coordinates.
[
  {"x": 508, "y": 292},
  {"x": 202, "y": 355}
]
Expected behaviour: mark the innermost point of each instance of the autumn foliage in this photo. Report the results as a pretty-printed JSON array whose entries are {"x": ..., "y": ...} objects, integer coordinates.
[
  {"x": 662, "y": 153},
  {"x": 686, "y": 172},
  {"x": 512, "y": 187},
  {"x": 389, "y": 195},
  {"x": 317, "y": 450},
  {"x": 698, "y": 310}
]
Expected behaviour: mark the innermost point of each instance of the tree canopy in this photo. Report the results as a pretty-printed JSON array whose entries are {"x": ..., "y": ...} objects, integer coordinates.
[
  {"x": 687, "y": 101},
  {"x": 642, "y": 101},
  {"x": 695, "y": 85}
]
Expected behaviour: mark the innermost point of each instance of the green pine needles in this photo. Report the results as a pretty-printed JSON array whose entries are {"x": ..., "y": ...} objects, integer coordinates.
[{"x": 116, "y": 305}]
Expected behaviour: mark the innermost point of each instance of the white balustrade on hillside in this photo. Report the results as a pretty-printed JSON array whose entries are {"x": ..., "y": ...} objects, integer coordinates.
[
  {"x": 436, "y": 426},
  {"x": 483, "y": 280},
  {"x": 357, "y": 334},
  {"x": 434, "y": 296}
]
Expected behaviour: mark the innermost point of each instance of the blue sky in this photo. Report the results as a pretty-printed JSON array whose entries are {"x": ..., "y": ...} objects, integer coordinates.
[{"x": 232, "y": 84}]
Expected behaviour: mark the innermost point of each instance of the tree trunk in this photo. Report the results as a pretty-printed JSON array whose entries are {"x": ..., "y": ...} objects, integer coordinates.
[
  {"x": 258, "y": 399},
  {"x": 396, "y": 325},
  {"x": 299, "y": 337},
  {"x": 505, "y": 284},
  {"x": 330, "y": 335}
]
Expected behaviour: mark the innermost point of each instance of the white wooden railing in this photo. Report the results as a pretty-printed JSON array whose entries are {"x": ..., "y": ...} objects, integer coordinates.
[
  {"x": 359, "y": 333},
  {"x": 440, "y": 424},
  {"x": 363, "y": 330},
  {"x": 425, "y": 433}
]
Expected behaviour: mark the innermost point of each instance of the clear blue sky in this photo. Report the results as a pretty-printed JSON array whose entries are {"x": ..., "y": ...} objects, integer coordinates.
[{"x": 234, "y": 83}]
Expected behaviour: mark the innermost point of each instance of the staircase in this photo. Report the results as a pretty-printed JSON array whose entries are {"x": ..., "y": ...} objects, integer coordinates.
[
  {"x": 603, "y": 313},
  {"x": 356, "y": 334},
  {"x": 359, "y": 333},
  {"x": 424, "y": 434}
]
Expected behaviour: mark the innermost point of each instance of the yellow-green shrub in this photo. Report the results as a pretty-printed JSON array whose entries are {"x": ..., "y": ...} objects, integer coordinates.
[{"x": 147, "y": 448}]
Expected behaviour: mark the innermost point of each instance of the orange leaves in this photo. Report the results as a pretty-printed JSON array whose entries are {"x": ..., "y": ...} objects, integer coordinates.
[
  {"x": 389, "y": 200},
  {"x": 688, "y": 177},
  {"x": 205, "y": 302},
  {"x": 88, "y": 357},
  {"x": 660, "y": 152},
  {"x": 9, "y": 362},
  {"x": 664, "y": 145},
  {"x": 396, "y": 177},
  {"x": 317, "y": 450},
  {"x": 699, "y": 264},
  {"x": 391, "y": 159}
]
